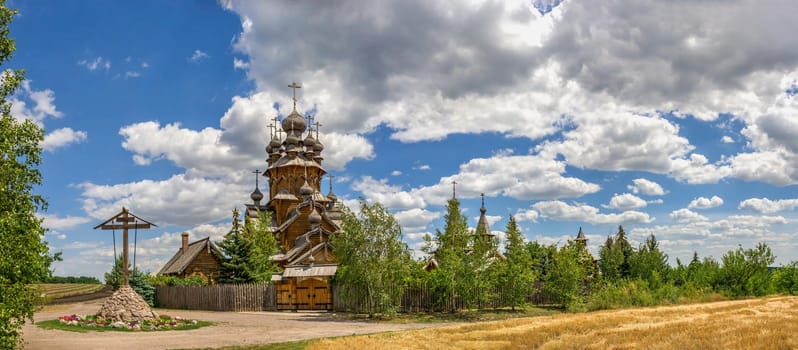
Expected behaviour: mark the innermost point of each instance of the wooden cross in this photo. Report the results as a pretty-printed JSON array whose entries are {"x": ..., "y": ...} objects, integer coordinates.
[
  {"x": 310, "y": 124},
  {"x": 256, "y": 172},
  {"x": 124, "y": 220},
  {"x": 272, "y": 129},
  {"x": 331, "y": 177},
  {"x": 454, "y": 189},
  {"x": 483, "y": 199},
  {"x": 317, "y": 124},
  {"x": 293, "y": 87}
]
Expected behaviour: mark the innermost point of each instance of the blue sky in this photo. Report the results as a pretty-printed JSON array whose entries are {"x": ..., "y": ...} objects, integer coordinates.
[{"x": 673, "y": 119}]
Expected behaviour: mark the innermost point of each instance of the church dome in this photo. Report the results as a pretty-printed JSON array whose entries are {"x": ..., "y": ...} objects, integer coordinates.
[
  {"x": 314, "y": 217},
  {"x": 306, "y": 190},
  {"x": 256, "y": 196},
  {"x": 318, "y": 147},
  {"x": 294, "y": 124},
  {"x": 274, "y": 144},
  {"x": 309, "y": 142}
]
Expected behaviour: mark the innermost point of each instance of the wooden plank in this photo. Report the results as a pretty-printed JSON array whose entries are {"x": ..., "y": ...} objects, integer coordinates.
[{"x": 123, "y": 226}]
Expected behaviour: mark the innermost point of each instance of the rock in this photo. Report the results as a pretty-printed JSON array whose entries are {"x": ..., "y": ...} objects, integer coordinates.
[{"x": 126, "y": 305}]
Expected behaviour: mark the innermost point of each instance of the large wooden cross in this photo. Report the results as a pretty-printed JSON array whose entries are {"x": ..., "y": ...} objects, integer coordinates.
[
  {"x": 124, "y": 221},
  {"x": 454, "y": 189},
  {"x": 293, "y": 87}
]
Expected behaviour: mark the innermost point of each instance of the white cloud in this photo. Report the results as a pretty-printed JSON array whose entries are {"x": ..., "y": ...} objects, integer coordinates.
[
  {"x": 687, "y": 215},
  {"x": 422, "y": 167},
  {"x": 705, "y": 203},
  {"x": 726, "y": 139},
  {"x": 626, "y": 201},
  {"x": 43, "y": 102},
  {"x": 416, "y": 220},
  {"x": 54, "y": 222},
  {"x": 95, "y": 64},
  {"x": 62, "y": 137},
  {"x": 396, "y": 173},
  {"x": 179, "y": 200},
  {"x": 646, "y": 187},
  {"x": 198, "y": 56},
  {"x": 145, "y": 65},
  {"x": 561, "y": 211},
  {"x": 392, "y": 197},
  {"x": 765, "y": 205},
  {"x": 240, "y": 64},
  {"x": 527, "y": 215},
  {"x": 132, "y": 74}
]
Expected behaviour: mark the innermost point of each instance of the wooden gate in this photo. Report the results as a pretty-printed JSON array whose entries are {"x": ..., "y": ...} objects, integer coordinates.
[
  {"x": 285, "y": 296},
  {"x": 309, "y": 294}
]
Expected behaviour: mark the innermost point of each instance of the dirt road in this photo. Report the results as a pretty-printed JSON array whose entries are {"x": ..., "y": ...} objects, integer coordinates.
[{"x": 230, "y": 329}]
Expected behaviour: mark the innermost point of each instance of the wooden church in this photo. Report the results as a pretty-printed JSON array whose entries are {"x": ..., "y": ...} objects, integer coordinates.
[{"x": 303, "y": 219}]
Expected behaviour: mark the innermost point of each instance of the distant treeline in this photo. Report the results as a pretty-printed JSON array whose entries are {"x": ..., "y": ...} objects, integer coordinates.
[{"x": 72, "y": 279}]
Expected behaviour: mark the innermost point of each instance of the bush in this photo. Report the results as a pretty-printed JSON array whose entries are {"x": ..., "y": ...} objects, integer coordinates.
[{"x": 198, "y": 279}]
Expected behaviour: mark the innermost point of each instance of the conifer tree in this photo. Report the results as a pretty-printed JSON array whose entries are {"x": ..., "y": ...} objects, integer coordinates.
[
  {"x": 237, "y": 249},
  {"x": 517, "y": 272},
  {"x": 453, "y": 277}
]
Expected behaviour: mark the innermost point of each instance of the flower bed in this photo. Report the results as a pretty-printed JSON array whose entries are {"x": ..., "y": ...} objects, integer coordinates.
[{"x": 98, "y": 323}]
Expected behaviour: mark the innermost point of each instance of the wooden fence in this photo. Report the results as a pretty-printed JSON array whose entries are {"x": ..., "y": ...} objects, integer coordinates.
[
  {"x": 262, "y": 297},
  {"x": 220, "y": 297}
]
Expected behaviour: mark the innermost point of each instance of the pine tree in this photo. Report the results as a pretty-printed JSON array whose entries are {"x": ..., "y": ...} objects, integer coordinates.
[
  {"x": 237, "y": 249},
  {"x": 453, "y": 277},
  {"x": 517, "y": 273}
]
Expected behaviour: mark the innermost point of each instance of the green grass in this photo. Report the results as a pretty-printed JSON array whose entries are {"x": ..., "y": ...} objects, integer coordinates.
[
  {"x": 52, "y": 291},
  {"x": 56, "y": 324}
]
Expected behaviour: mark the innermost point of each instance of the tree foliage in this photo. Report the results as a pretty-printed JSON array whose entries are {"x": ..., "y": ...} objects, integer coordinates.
[
  {"x": 745, "y": 271},
  {"x": 24, "y": 257},
  {"x": 516, "y": 271},
  {"x": 237, "y": 249},
  {"x": 263, "y": 246},
  {"x": 371, "y": 255}
]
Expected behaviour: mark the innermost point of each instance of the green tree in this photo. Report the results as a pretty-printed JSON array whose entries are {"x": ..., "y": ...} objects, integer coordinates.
[
  {"x": 516, "y": 273},
  {"x": 785, "y": 279},
  {"x": 566, "y": 280},
  {"x": 372, "y": 255},
  {"x": 454, "y": 277},
  {"x": 237, "y": 249},
  {"x": 649, "y": 263},
  {"x": 745, "y": 271},
  {"x": 24, "y": 257},
  {"x": 139, "y": 281},
  {"x": 264, "y": 246},
  {"x": 704, "y": 273},
  {"x": 610, "y": 261}
]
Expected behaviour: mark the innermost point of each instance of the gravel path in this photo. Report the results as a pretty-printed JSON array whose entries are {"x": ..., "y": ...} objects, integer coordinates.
[{"x": 230, "y": 328}]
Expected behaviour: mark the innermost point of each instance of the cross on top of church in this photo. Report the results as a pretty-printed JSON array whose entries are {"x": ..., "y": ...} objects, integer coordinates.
[
  {"x": 293, "y": 87},
  {"x": 256, "y": 172},
  {"x": 310, "y": 124},
  {"x": 317, "y": 125},
  {"x": 454, "y": 189},
  {"x": 331, "y": 177}
]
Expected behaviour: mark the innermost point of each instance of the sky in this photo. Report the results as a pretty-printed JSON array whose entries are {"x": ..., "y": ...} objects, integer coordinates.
[{"x": 672, "y": 118}]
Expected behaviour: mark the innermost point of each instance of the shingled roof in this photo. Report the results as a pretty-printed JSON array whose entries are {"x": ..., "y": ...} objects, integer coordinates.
[{"x": 180, "y": 261}]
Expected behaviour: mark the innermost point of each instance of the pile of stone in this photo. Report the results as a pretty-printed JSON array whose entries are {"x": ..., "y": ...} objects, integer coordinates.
[{"x": 126, "y": 305}]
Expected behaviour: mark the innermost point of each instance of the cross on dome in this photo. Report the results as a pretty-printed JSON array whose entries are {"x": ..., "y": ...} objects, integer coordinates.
[{"x": 293, "y": 87}]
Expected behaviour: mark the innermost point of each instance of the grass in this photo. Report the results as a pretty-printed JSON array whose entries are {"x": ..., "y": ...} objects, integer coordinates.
[
  {"x": 56, "y": 324},
  {"x": 460, "y": 316},
  {"x": 770, "y": 323},
  {"x": 52, "y": 291}
]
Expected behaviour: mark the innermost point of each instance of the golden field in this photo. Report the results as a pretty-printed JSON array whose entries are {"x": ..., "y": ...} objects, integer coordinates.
[{"x": 770, "y": 323}]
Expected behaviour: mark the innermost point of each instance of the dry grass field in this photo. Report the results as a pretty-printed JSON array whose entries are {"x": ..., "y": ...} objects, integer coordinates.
[
  {"x": 770, "y": 323},
  {"x": 52, "y": 291}
]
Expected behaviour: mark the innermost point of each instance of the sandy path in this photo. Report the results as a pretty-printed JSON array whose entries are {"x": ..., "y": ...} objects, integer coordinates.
[{"x": 230, "y": 329}]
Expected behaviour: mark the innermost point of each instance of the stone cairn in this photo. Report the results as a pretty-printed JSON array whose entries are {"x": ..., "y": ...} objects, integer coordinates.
[{"x": 126, "y": 305}]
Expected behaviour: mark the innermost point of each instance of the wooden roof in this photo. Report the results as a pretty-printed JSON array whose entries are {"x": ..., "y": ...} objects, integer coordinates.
[{"x": 180, "y": 261}]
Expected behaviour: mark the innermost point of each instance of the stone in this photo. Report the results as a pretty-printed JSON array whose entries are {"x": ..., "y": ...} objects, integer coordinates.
[{"x": 126, "y": 305}]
